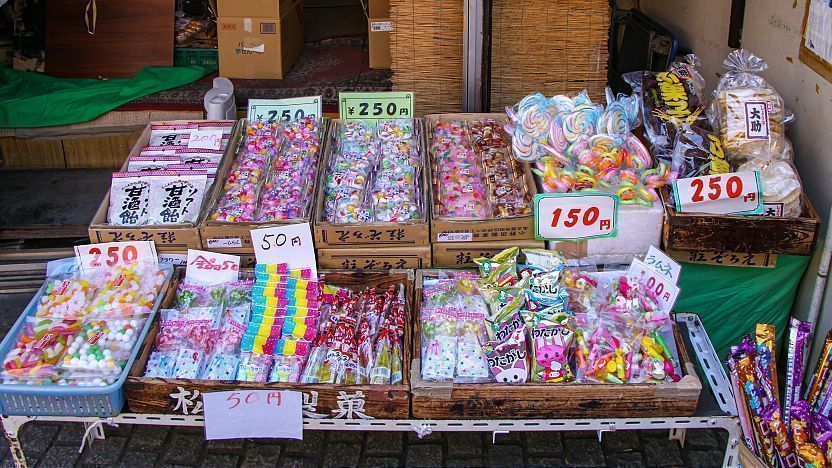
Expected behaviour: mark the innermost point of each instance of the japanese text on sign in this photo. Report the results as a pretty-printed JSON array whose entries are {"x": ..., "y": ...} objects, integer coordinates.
[
  {"x": 205, "y": 139},
  {"x": 661, "y": 263},
  {"x": 290, "y": 244},
  {"x": 112, "y": 254},
  {"x": 209, "y": 268},
  {"x": 380, "y": 105},
  {"x": 284, "y": 110},
  {"x": 658, "y": 286},
  {"x": 756, "y": 120},
  {"x": 732, "y": 193},
  {"x": 574, "y": 216},
  {"x": 253, "y": 413}
]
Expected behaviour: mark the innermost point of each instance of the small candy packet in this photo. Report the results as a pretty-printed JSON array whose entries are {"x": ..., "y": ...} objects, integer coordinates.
[
  {"x": 551, "y": 344},
  {"x": 508, "y": 358},
  {"x": 177, "y": 196},
  {"x": 129, "y": 199}
]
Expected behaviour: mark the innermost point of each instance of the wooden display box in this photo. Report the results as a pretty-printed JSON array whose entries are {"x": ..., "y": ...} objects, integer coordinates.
[
  {"x": 477, "y": 230},
  {"x": 374, "y": 234},
  {"x": 168, "y": 238},
  {"x": 462, "y": 254},
  {"x": 445, "y": 400},
  {"x": 183, "y": 396},
  {"x": 375, "y": 259},
  {"x": 746, "y": 234},
  {"x": 235, "y": 238}
]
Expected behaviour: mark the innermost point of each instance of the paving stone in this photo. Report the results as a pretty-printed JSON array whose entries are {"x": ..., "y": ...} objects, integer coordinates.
[
  {"x": 464, "y": 463},
  {"x": 543, "y": 462},
  {"x": 429, "y": 455},
  {"x": 36, "y": 438},
  {"x": 338, "y": 455},
  {"x": 59, "y": 456},
  {"x": 510, "y": 438},
  {"x": 583, "y": 452},
  {"x": 381, "y": 462},
  {"x": 433, "y": 437},
  {"x": 256, "y": 455},
  {"x": 148, "y": 438},
  {"x": 704, "y": 458},
  {"x": 139, "y": 459},
  {"x": 580, "y": 435},
  {"x": 384, "y": 443},
  {"x": 544, "y": 443},
  {"x": 299, "y": 462},
  {"x": 104, "y": 452},
  {"x": 312, "y": 444},
  {"x": 220, "y": 460},
  {"x": 464, "y": 444},
  {"x": 631, "y": 459},
  {"x": 70, "y": 434},
  {"x": 185, "y": 449},
  {"x": 619, "y": 441},
  {"x": 702, "y": 438},
  {"x": 661, "y": 451},
  {"x": 505, "y": 455},
  {"x": 225, "y": 445},
  {"x": 346, "y": 437}
]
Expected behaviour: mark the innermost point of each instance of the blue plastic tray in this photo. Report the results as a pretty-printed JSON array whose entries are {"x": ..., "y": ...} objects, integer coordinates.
[{"x": 55, "y": 400}]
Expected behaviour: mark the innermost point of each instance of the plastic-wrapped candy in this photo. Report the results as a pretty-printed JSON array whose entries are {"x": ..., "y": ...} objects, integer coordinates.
[
  {"x": 552, "y": 351},
  {"x": 40, "y": 346},
  {"x": 65, "y": 298},
  {"x": 254, "y": 367},
  {"x": 103, "y": 346},
  {"x": 508, "y": 358},
  {"x": 458, "y": 174}
]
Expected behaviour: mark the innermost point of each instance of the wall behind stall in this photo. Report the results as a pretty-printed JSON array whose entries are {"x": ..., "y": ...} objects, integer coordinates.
[{"x": 771, "y": 29}]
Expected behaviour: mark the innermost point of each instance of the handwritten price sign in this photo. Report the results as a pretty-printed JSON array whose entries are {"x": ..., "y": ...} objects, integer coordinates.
[
  {"x": 113, "y": 254},
  {"x": 732, "y": 193},
  {"x": 209, "y": 268},
  {"x": 284, "y": 110},
  {"x": 253, "y": 413},
  {"x": 291, "y": 244},
  {"x": 663, "y": 289},
  {"x": 205, "y": 139},
  {"x": 575, "y": 216}
]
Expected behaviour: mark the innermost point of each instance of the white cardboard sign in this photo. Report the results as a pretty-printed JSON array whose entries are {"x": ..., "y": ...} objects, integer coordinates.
[
  {"x": 666, "y": 292},
  {"x": 253, "y": 413},
  {"x": 661, "y": 263},
  {"x": 206, "y": 139},
  {"x": 113, "y": 254},
  {"x": 209, "y": 268},
  {"x": 290, "y": 244}
]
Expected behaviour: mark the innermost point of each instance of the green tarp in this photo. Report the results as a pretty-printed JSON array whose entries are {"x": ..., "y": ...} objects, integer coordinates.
[
  {"x": 732, "y": 300},
  {"x": 29, "y": 99}
]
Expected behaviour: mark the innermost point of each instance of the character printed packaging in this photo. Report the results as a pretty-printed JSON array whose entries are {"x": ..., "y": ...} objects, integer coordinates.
[
  {"x": 552, "y": 348},
  {"x": 508, "y": 360}
]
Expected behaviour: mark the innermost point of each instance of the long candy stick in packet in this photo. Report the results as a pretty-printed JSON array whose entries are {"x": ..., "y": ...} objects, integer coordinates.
[
  {"x": 799, "y": 333},
  {"x": 821, "y": 371}
]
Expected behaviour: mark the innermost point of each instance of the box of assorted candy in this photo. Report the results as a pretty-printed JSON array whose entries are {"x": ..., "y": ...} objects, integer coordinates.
[
  {"x": 267, "y": 180},
  {"x": 372, "y": 191},
  {"x": 70, "y": 351},
  {"x": 540, "y": 339},
  {"x": 370, "y": 258},
  {"x": 479, "y": 192},
  {"x": 342, "y": 338},
  {"x": 161, "y": 192}
]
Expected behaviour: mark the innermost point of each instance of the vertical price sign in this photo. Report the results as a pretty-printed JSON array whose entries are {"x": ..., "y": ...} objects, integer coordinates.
[
  {"x": 380, "y": 105},
  {"x": 575, "y": 216},
  {"x": 732, "y": 193}
]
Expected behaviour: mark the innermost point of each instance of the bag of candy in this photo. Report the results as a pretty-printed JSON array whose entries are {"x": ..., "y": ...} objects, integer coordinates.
[
  {"x": 551, "y": 344},
  {"x": 129, "y": 199},
  {"x": 176, "y": 196},
  {"x": 508, "y": 358}
]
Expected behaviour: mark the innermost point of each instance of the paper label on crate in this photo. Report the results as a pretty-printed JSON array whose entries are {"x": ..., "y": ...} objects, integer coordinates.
[
  {"x": 253, "y": 413},
  {"x": 113, "y": 254},
  {"x": 733, "y": 193},
  {"x": 661, "y": 263},
  {"x": 381, "y": 26},
  {"x": 726, "y": 258},
  {"x": 291, "y": 244},
  {"x": 173, "y": 259},
  {"x": 210, "y": 268},
  {"x": 378, "y": 105},
  {"x": 455, "y": 237},
  {"x": 205, "y": 139},
  {"x": 664, "y": 291},
  {"x": 773, "y": 209},
  {"x": 229, "y": 243},
  {"x": 575, "y": 216},
  {"x": 284, "y": 110}
]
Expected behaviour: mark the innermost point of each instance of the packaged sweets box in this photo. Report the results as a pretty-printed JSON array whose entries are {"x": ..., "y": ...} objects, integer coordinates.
[
  {"x": 320, "y": 400},
  {"x": 385, "y": 258},
  {"x": 476, "y": 229},
  {"x": 373, "y": 234},
  {"x": 168, "y": 238},
  {"x": 462, "y": 254},
  {"x": 235, "y": 237}
]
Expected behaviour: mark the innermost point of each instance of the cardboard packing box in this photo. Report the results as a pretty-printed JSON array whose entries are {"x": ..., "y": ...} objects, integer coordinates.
[
  {"x": 407, "y": 258},
  {"x": 379, "y": 26},
  {"x": 259, "y": 38},
  {"x": 462, "y": 254},
  {"x": 168, "y": 238}
]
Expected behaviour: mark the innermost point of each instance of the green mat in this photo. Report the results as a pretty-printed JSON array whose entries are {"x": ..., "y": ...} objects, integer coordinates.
[
  {"x": 29, "y": 99},
  {"x": 731, "y": 300}
]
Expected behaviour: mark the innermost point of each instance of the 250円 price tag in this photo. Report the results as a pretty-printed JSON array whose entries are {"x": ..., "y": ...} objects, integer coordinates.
[
  {"x": 379, "y": 105},
  {"x": 575, "y": 216},
  {"x": 733, "y": 193},
  {"x": 284, "y": 110}
]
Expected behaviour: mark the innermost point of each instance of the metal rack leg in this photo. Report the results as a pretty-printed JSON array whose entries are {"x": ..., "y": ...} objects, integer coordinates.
[
  {"x": 11, "y": 428},
  {"x": 678, "y": 435},
  {"x": 732, "y": 450}
]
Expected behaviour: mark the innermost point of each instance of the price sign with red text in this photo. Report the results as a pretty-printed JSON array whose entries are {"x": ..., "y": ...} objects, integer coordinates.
[
  {"x": 732, "y": 193},
  {"x": 210, "y": 268},
  {"x": 205, "y": 139},
  {"x": 253, "y": 413},
  {"x": 112, "y": 254},
  {"x": 575, "y": 216},
  {"x": 663, "y": 289}
]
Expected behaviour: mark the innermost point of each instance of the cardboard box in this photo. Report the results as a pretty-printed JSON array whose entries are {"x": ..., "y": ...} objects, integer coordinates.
[
  {"x": 378, "y": 30},
  {"x": 235, "y": 238},
  {"x": 478, "y": 230},
  {"x": 168, "y": 238},
  {"x": 374, "y": 234},
  {"x": 259, "y": 38},
  {"x": 462, "y": 254},
  {"x": 378, "y": 8},
  {"x": 406, "y": 258}
]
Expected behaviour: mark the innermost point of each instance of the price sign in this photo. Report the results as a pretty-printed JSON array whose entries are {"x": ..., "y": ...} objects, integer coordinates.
[
  {"x": 113, "y": 254},
  {"x": 205, "y": 139},
  {"x": 380, "y": 105},
  {"x": 732, "y": 193},
  {"x": 664, "y": 290},
  {"x": 209, "y": 268},
  {"x": 173, "y": 259},
  {"x": 661, "y": 263},
  {"x": 291, "y": 244},
  {"x": 574, "y": 216},
  {"x": 284, "y": 110},
  {"x": 253, "y": 413}
]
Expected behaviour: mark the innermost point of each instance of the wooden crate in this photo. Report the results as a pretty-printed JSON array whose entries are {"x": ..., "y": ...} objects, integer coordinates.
[
  {"x": 444, "y": 400},
  {"x": 746, "y": 234},
  {"x": 183, "y": 396}
]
